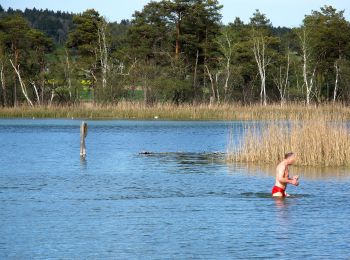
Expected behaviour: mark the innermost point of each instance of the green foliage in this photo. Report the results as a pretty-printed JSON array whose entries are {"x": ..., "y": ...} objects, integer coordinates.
[
  {"x": 329, "y": 38},
  {"x": 54, "y": 24},
  {"x": 84, "y": 36},
  {"x": 168, "y": 31},
  {"x": 148, "y": 33},
  {"x": 171, "y": 51},
  {"x": 26, "y": 48},
  {"x": 84, "y": 44},
  {"x": 14, "y": 33},
  {"x": 260, "y": 20}
]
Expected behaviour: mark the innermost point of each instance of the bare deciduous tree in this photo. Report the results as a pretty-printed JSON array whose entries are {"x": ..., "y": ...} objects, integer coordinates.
[
  {"x": 308, "y": 74},
  {"x": 53, "y": 94},
  {"x": 282, "y": 80},
  {"x": 23, "y": 86},
  {"x": 67, "y": 73},
  {"x": 195, "y": 73},
  {"x": 262, "y": 60},
  {"x": 103, "y": 51},
  {"x": 214, "y": 81},
  {"x": 3, "y": 82},
  {"x": 226, "y": 44},
  {"x": 36, "y": 92}
]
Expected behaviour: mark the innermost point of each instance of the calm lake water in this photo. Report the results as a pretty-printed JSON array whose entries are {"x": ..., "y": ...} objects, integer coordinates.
[{"x": 185, "y": 204}]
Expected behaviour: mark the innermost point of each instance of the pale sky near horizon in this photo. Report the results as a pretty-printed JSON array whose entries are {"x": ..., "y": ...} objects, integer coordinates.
[{"x": 280, "y": 12}]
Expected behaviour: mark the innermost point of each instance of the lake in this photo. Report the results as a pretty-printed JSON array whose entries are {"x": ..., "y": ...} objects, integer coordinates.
[{"x": 182, "y": 202}]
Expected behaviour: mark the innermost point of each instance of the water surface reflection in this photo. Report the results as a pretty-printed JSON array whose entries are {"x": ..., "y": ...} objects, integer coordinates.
[
  {"x": 118, "y": 204},
  {"x": 312, "y": 173}
]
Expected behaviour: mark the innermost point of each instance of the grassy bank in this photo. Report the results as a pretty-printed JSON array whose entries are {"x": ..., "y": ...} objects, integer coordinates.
[
  {"x": 128, "y": 110},
  {"x": 316, "y": 142}
]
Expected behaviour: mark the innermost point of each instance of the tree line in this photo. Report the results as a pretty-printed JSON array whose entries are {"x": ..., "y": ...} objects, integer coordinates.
[{"x": 172, "y": 51}]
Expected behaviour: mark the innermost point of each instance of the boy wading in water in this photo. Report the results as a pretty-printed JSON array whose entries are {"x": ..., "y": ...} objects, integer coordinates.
[{"x": 282, "y": 176}]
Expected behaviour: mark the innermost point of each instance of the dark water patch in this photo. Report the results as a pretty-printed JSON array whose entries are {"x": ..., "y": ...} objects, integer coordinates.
[
  {"x": 9, "y": 188},
  {"x": 300, "y": 196},
  {"x": 187, "y": 158},
  {"x": 256, "y": 195}
]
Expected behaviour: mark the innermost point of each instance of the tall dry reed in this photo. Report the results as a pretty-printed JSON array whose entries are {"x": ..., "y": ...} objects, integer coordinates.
[
  {"x": 136, "y": 110},
  {"x": 315, "y": 142}
]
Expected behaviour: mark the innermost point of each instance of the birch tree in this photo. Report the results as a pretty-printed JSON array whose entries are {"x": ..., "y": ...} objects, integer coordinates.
[
  {"x": 227, "y": 42},
  {"x": 67, "y": 72},
  {"x": 23, "y": 86},
  {"x": 260, "y": 41},
  {"x": 103, "y": 51},
  {"x": 214, "y": 82},
  {"x": 263, "y": 61},
  {"x": 40, "y": 46},
  {"x": 14, "y": 35},
  {"x": 309, "y": 70},
  {"x": 281, "y": 80},
  {"x": 3, "y": 82},
  {"x": 324, "y": 38}
]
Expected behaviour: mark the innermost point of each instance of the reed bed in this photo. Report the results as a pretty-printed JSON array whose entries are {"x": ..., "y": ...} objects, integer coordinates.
[
  {"x": 317, "y": 134},
  {"x": 132, "y": 110},
  {"x": 315, "y": 142}
]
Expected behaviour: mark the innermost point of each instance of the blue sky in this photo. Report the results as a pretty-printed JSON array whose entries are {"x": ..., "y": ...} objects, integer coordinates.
[{"x": 280, "y": 12}]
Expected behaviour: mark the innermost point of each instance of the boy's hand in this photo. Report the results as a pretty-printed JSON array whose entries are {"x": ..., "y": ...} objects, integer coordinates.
[{"x": 295, "y": 180}]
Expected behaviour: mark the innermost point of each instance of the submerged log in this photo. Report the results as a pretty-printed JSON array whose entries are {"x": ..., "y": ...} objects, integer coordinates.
[
  {"x": 83, "y": 134},
  {"x": 187, "y": 155}
]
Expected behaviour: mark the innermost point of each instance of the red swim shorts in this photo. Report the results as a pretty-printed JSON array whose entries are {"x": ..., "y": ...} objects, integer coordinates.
[{"x": 276, "y": 189}]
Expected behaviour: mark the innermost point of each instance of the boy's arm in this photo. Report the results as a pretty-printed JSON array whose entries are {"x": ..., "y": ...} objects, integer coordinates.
[
  {"x": 283, "y": 179},
  {"x": 287, "y": 180}
]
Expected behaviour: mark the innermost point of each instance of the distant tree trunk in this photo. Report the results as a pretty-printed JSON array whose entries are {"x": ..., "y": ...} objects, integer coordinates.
[
  {"x": 36, "y": 93},
  {"x": 262, "y": 61},
  {"x": 217, "y": 86},
  {"x": 41, "y": 80},
  {"x": 226, "y": 48},
  {"x": 195, "y": 75},
  {"x": 228, "y": 75},
  {"x": 14, "y": 97},
  {"x": 227, "y": 54},
  {"x": 42, "y": 96},
  {"x": 52, "y": 97},
  {"x": 103, "y": 52},
  {"x": 178, "y": 20},
  {"x": 282, "y": 81},
  {"x": 67, "y": 74},
  {"x": 309, "y": 80},
  {"x": 213, "y": 96},
  {"x": 23, "y": 87},
  {"x": 3, "y": 84},
  {"x": 16, "y": 54},
  {"x": 337, "y": 71},
  {"x": 177, "y": 44},
  {"x": 214, "y": 85}
]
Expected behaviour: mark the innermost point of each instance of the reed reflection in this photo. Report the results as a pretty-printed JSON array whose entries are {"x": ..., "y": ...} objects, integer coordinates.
[{"x": 311, "y": 173}]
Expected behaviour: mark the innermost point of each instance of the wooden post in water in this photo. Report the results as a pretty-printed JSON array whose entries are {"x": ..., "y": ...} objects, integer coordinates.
[{"x": 83, "y": 134}]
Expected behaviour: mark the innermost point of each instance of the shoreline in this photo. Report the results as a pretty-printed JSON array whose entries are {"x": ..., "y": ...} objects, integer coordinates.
[{"x": 201, "y": 112}]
